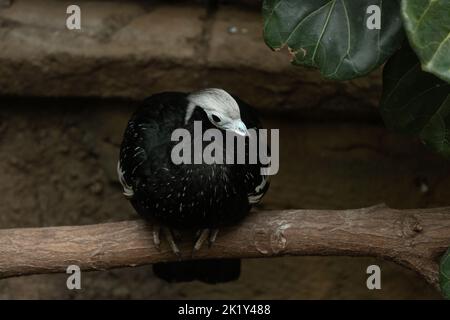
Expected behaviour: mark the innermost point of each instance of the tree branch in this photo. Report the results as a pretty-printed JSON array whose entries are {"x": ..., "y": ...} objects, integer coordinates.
[{"x": 413, "y": 238}]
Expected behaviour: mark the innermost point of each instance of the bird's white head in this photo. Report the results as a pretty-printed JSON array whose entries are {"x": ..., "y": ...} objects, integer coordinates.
[{"x": 220, "y": 107}]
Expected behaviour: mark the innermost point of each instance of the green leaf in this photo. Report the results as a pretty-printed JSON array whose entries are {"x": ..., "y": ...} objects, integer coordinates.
[
  {"x": 427, "y": 25},
  {"x": 332, "y": 35},
  {"x": 416, "y": 102},
  {"x": 444, "y": 274}
]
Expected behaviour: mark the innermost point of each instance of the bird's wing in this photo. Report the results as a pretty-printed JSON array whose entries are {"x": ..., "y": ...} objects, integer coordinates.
[{"x": 147, "y": 132}]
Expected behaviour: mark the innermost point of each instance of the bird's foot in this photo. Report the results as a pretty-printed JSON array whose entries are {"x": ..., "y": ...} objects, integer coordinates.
[
  {"x": 203, "y": 235},
  {"x": 169, "y": 235}
]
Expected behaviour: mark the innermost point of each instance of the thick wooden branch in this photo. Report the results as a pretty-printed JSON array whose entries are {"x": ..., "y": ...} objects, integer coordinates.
[{"x": 413, "y": 238}]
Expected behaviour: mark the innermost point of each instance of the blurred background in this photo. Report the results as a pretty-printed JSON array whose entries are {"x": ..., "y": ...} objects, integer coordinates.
[{"x": 66, "y": 96}]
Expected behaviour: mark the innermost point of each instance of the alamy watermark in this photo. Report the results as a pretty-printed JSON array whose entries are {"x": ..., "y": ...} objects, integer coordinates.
[
  {"x": 74, "y": 280},
  {"x": 226, "y": 149},
  {"x": 374, "y": 20},
  {"x": 374, "y": 279},
  {"x": 73, "y": 21}
]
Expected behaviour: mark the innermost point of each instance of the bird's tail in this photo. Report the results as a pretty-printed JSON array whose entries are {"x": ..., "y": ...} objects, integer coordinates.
[{"x": 208, "y": 271}]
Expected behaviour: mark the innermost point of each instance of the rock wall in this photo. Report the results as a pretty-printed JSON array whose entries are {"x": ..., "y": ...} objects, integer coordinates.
[{"x": 134, "y": 48}]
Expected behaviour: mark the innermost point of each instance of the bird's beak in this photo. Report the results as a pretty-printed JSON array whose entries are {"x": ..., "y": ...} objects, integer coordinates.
[{"x": 239, "y": 128}]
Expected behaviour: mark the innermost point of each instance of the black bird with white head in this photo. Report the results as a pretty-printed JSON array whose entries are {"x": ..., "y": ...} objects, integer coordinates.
[{"x": 201, "y": 196}]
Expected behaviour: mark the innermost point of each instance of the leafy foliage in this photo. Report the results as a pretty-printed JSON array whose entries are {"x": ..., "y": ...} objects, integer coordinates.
[
  {"x": 416, "y": 102},
  {"x": 444, "y": 274},
  {"x": 428, "y": 28},
  {"x": 332, "y": 34}
]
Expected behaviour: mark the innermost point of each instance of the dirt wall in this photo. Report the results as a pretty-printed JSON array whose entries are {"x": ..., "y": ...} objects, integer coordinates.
[{"x": 58, "y": 168}]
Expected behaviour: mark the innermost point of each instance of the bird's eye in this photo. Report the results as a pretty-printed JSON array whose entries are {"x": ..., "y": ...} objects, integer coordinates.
[{"x": 215, "y": 118}]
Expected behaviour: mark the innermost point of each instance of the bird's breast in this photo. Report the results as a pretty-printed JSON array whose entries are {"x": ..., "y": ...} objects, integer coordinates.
[{"x": 192, "y": 196}]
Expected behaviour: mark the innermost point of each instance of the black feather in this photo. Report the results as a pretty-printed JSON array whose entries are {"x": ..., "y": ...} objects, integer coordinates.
[{"x": 185, "y": 195}]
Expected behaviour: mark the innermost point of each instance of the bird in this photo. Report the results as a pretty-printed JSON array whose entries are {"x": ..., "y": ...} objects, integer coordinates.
[{"x": 196, "y": 196}]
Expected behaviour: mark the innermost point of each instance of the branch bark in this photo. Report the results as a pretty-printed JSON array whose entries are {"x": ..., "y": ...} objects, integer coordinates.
[{"x": 413, "y": 238}]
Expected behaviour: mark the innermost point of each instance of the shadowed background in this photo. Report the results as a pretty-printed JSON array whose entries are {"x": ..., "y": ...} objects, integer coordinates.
[{"x": 66, "y": 98}]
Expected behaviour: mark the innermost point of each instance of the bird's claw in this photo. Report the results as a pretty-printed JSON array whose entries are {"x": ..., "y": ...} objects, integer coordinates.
[
  {"x": 171, "y": 235},
  {"x": 156, "y": 237},
  {"x": 203, "y": 235},
  {"x": 212, "y": 237},
  {"x": 168, "y": 234}
]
